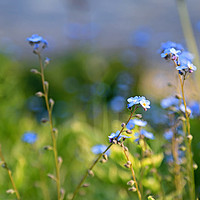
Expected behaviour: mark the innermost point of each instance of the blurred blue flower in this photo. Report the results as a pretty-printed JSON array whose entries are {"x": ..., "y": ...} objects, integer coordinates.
[
  {"x": 29, "y": 137},
  {"x": 100, "y": 148},
  {"x": 130, "y": 125},
  {"x": 186, "y": 55},
  {"x": 168, "y": 135},
  {"x": 117, "y": 103},
  {"x": 195, "y": 108},
  {"x": 147, "y": 134},
  {"x": 112, "y": 136},
  {"x": 169, "y": 101},
  {"x": 141, "y": 38},
  {"x": 36, "y": 40},
  {"x": 170, "y": 44}
]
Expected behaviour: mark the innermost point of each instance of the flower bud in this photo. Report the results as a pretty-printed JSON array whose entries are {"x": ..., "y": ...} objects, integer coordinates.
[
  {"x": 150, "y": 198},
  {"x": 178, "y": 96},
  {"x": 39, "y": 94},
  {"x": 44, "y": 120},
  {"x": 51, "y": 176},
  {"x": 10, "y": 191},
  {"x": 190, "y": 137},
  {"x": 131, "y": 182},
  {"x": 114, "y": 141},
  {"x": 51, "y": 101},
  {"x": 86, "y": 185},
  {"x": 60, "y": 160},
  {"x": 48, "y": 148},
  {"x": 128, "y": 131},
  {"x": 105, "y": 156},
  {"x": 138, "y": 116},
  {"x": 133, "y": 189},
  {"x": 123, "y": 125},
  {"x": 35, "y": 71},
  {"x": 46, "y": 84},
  {"x": 90, "y": 172},
  {"x": 125, "y": 148},
  {"x": 55, "y": 131},
  {"x": 182, "y": 118},
  {"x": 195, "y": 166}
]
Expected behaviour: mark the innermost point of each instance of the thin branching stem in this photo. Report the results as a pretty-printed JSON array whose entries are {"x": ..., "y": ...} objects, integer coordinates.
[
  {"x": 100, "y": 155},
  {"x": 133, "y": 175},
  {"x": 9, "y": 174},
  {"x": 53, "y": 136},
  {"x": 189, "y": 141}
]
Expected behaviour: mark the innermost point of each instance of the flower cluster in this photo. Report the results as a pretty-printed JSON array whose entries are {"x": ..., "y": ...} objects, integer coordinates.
[
  {"x": 142, "y": 101},
  {"x": 35, "y": 40},
  {"x": 116, "y": 136},
  {"x": 182, "y": 59}
]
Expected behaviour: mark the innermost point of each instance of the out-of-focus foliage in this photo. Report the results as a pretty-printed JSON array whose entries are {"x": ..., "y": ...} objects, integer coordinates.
[{"x": 90, "y": 95}]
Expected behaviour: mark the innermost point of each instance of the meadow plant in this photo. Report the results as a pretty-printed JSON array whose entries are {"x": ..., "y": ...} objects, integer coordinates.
[
  {"x": 39, "y": 45},
  {"x": 5, "y": 166},
  {"x": 179, "y": 112},
  {"x": 119, "y": 138}
]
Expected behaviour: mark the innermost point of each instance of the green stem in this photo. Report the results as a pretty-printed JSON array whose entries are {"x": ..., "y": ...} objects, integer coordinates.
[
  {"x": 53, "y": 137},
  {"x": 133, "y": 174},
  {"x": 9, "y": 174},
  {"x": 188, "y": 143},
  {"x": 99, "y": 157}
]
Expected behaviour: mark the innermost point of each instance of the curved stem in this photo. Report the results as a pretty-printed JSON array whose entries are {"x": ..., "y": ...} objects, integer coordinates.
[
  {"x": 53, "y": 137},
  {"x": 99, "y": 157},
  {"x": 133, "y": 174},
  {"x": 9, "y": 174}
]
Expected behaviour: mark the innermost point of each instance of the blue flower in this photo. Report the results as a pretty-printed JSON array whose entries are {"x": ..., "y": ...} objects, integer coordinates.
[
  {"x": 186, "y": 55},
  {"x": 169, "y": 101},
  {"x": 112, "y": 136},
  {"x": 168, "y": 135},
  {"x": 187, "y": 66},
  {"x": 169, "y": 45},
  {"x": 36, "y": 40},
  {"x": 171, "y": 53},
  {"x": 100, "y": 148},
  {"x": 145, "y": 104},
  {"x": 131, "y": 124},
  {"x": 133, "y": 101},
  {"x": 147, "y": 134},
  {"x": 29, "y": 137},
  {"x": 195, "y": 108}
]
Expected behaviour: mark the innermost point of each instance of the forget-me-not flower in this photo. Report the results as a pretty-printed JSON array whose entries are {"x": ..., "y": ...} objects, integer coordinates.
[
  {"x": 35, "y": 40},
  {"x": 145, "y": 134},
  {"x": 112, "y": 136},
  {"x": 29, "y": 137},
  {"x": 100, "y": 148},
  {"x": 145, "y": 104}
]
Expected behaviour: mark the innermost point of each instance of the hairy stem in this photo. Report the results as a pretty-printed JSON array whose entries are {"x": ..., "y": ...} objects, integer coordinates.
[
  {"x": 188, "y": 144},
  {"x": 9, "y": 174},
  {"x": 99, "y": 157},
  {"x": 53, "y": 137},
  {"x": 133, "y": 174}
]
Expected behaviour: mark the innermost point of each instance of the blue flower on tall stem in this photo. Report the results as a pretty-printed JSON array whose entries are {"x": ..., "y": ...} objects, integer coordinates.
[
  {"x": 144, "y": 133},
  {"x": 35, "y": 40}
]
